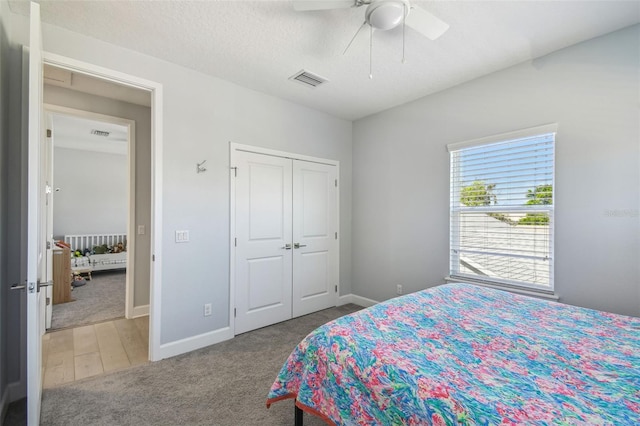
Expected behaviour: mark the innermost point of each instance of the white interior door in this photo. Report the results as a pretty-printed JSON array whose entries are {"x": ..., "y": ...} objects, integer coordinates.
[
  {"x": 35, "y": 303},
  {"x": 263, "y": 240},
  {"x": 315, "y": 245}
]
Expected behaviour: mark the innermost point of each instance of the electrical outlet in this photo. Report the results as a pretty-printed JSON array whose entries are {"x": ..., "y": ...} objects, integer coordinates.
[
  {"x": 399, "y": 289},
  {"x": 207, "y": 309}
]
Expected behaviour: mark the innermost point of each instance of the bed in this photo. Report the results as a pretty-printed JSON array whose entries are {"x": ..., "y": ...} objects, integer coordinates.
[
  {"x": 464, "y": 354},
  {"x": 93, "y": 261}
]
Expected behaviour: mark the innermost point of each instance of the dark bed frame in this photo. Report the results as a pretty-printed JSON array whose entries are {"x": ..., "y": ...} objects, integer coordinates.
[{"x": 298, "y": 416}]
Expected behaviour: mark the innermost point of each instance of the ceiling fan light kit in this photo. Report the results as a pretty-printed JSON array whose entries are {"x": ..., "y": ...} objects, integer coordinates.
[
  {"x": 386, "y": 15},
  {"x": 383, "y": 15}
]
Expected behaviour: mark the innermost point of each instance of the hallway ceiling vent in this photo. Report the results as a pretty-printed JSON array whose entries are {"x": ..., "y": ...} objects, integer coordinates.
[
  {"x": 308, "y": 79},
  {"x": 100, "y": 133}
]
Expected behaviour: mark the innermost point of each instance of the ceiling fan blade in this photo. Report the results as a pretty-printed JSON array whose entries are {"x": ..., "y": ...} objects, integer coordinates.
[
  {"x": 304, "y": 5},
  {"x": 426, "y": 23}
]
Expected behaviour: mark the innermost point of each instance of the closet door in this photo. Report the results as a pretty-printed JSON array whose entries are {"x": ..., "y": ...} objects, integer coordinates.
[
  {"x": 315, "y": 252},
  {"x": 263, "y": 247}
]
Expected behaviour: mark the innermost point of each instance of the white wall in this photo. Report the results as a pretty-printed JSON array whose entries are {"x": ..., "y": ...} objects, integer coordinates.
[
  {"x": 91, "y": 192},
  {"x": 401, "y": 172},
  {"x": 201, "y": 116}
]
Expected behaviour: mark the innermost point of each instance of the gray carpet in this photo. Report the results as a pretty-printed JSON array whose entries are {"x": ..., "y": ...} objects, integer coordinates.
[
  {"x": 223, "y": 384},
  {"x": 101, "y": 299}
]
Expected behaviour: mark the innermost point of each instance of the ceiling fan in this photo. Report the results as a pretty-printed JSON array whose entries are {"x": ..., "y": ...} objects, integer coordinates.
[{"x": 383, "y": 15}]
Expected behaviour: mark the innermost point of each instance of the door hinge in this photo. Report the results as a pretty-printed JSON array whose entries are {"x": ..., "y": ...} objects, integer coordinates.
[
  {"x": 336, "y": 288},
  {"x": 48, "y": 301},
  {"x": 336, "y": 235},
  {"x": 235, "y": 242},
  {"x": 48, "y": 245},
  {"x": 234, "y": 312},
  {"x": 153, "y": 257},
  {"x": 49, "y": 133},
  {"x": 235, "y": 171},
  {"x": 336, "y": 183}
]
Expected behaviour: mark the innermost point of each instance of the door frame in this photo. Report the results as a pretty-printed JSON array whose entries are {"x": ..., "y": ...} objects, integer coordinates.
[
  {"x": 46, "y": 179},
  {"x": 155, "y": 228},
  {"x": 233, "y": 148},
  {"x": 50, "y": 110}
]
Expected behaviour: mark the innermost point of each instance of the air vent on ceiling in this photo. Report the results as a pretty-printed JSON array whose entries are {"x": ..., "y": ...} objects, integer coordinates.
[
  {"x": 308, "y": 79},
  {"x": 100, "y": 133}
]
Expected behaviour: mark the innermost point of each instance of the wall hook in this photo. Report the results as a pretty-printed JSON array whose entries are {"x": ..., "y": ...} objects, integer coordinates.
[{"x": 200, "y": 167}]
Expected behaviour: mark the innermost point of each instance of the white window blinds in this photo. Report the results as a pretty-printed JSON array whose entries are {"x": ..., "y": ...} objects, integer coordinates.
[{"x": 502, "y": 209}]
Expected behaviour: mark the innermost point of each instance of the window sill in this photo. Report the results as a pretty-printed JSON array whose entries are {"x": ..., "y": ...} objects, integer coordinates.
[{"x": 526, "y": 292}]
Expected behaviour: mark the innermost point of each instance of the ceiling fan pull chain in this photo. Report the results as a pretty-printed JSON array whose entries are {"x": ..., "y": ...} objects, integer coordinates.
[{"x": 370, "y": 52}]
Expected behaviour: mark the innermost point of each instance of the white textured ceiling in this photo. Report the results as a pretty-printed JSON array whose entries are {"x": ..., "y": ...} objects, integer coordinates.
[
  {"x": 259, "y": 44},
  {"x": 75, "y": 133}
]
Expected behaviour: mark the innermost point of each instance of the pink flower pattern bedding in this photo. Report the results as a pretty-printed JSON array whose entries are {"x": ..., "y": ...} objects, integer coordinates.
[{"x": 461, "y": 354}]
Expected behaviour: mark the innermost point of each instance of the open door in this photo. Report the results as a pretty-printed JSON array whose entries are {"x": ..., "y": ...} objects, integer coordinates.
[{"x": 35, "y": 302}]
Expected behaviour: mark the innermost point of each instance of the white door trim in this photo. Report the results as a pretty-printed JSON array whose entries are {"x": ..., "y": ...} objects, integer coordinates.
[
  {"x": 155, "y": 88},
  {"x": 233, "y": 148},
  {"x": 131, "y": 167},
  {"x": 46, "y": 180},
  {"x": 266, "y": 151}
]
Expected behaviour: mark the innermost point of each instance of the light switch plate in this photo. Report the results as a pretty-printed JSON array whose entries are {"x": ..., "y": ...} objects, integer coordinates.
[
  {"x": 141, "y": 230},
  {"x": 182, "y": 236}
]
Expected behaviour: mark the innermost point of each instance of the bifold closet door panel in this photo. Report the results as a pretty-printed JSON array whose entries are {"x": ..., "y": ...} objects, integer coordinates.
[
  {"x": 264, "y": 235},
  {"x": 315, "y": 247}
]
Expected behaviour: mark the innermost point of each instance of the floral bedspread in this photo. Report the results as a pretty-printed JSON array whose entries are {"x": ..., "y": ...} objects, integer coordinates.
[{"x": 463, "y": 354}]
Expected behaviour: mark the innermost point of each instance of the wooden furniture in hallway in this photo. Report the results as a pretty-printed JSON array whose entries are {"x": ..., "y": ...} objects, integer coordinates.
[{"x": 61, "y": 275}]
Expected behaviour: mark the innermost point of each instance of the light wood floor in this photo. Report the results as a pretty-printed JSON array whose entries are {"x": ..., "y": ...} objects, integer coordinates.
[{"x": 77, "y": 353}]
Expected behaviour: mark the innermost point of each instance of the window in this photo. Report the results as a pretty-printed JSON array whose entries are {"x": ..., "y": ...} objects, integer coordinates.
[{"x": 502, "y": 198}]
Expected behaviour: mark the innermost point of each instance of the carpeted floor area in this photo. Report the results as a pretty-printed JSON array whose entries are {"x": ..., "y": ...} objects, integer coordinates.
[
  {"x": 101, "y": 299},
  {"x": 223, "y": 384}
]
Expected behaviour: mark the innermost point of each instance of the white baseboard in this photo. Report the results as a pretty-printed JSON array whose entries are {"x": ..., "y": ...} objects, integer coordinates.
[
  {"x": 356, "y": 300},
  {"x": 16, "y": 391},
  {"x": 140, "y": 311},
  {"x": 343, "y": 300},
  {"x": 13, "y": 392},
  {"x": 189, "y": 344},
  {"x": 363, "y": 301}
]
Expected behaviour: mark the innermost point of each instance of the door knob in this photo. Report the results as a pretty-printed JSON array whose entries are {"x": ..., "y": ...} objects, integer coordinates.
[
  {"x": 286, "y": 247},
  {"x": 298, "y": 245},
  {"x": 17, "y": 287}
]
